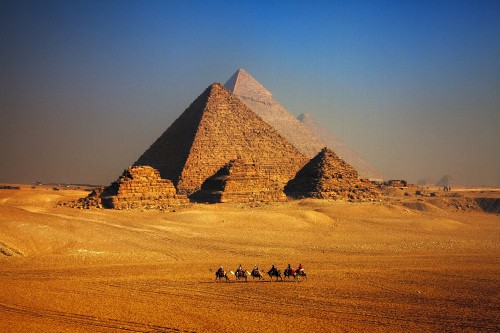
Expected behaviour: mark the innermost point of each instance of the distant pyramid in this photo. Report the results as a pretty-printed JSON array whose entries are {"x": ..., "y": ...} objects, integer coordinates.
[
  {"x": 446, "y": 181},
  {"x": 343, "y": 150},
  {"x": 261, "y": 101},
  {"x": 327, "y": 176},
  {"x": 215, "y": 129}
]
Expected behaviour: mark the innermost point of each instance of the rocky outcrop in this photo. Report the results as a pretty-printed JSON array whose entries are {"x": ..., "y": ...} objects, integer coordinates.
[
  {"x": 238, "y": 181},
  {"x": 327, "y": 176}
]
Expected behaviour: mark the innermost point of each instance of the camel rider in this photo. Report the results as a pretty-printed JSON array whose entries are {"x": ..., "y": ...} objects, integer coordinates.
[
  {"x": 239, "y": 270},
  {"x": 300, "y": 269},
  {"x": 289, "y": 269},
  {"x": 220, "y": 271},
  {"x": 272, "y": 270},
  {"x": 255, "y": 268}
]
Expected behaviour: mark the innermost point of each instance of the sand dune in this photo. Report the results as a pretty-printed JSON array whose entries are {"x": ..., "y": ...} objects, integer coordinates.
[{"x": 386, "y": 266}]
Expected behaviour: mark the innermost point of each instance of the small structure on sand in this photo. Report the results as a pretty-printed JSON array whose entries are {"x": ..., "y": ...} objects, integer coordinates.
[
  {"x": 238, "y": 181},
  {"x": 327, "y": 176}
]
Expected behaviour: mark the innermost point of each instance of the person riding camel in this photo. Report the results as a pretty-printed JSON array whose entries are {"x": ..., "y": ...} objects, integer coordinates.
[
  {"x": 289, "y": 269},
  {"x": 272, "y": 270},
  {"x": 255, "y": 268},
  {"x": 300, "y": 269},
  {"x": 220, "y": 271},
  {"x": 239, "y": 270}
]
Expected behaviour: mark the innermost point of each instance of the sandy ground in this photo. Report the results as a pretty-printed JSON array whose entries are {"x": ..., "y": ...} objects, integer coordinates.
[{"x": 372, "y": 267}]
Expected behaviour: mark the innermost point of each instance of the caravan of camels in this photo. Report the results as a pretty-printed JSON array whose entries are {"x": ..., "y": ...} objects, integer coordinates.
[{"x": 274, "y": 272}]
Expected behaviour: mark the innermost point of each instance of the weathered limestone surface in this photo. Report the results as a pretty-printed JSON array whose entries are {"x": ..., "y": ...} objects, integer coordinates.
[
  {"x": 365, "y": 169},
  {"x": 215, "y": 129},
  {"x": 329, "y": 177},
  {"x": 238, "y": 181},
  {"x": 261, "y": 101},
  {"x": 137, "y": 187}
]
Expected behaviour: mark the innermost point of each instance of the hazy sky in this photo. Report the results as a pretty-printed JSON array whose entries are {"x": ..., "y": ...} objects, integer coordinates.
[{"x": 87, "y": 86}]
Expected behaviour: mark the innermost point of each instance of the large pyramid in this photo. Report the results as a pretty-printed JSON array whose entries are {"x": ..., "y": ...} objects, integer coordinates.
[
  {"x": 261, "y": 101},
  {"x": 341, "y": 149},
  {"x": 215, "y": 129},
  {"x": 327, "y": 176}
]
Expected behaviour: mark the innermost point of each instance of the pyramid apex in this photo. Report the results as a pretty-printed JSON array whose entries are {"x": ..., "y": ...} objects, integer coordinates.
[
  {"x": 329, "y": 154},
  {"x": 217, "y": 85},
  {"x": 216, "y": 88},
  {"x": 242, "y": 83}
]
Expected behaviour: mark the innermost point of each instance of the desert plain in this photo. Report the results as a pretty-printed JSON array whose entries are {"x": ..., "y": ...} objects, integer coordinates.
[{"x": 395, "y": 265}]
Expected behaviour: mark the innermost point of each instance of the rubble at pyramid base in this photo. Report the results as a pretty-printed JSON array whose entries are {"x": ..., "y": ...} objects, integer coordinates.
[{"x": 351, "y": 193}]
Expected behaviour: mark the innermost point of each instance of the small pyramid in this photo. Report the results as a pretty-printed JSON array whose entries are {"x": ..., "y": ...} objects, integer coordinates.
[
  {"x": 365, "y": 169},
  {"x": 215, "y": 129},
  {"x": 261, "y": 101},
  {"x": 137, "y": 187},
  {"x": 327, "y": 176},
  {"x": 238, "y": 181}
]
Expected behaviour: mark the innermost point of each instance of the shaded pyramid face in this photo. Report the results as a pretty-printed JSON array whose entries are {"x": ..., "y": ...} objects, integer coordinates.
[
  {"x": 215, "y": 129},
  {"x": 328, "y": 176},
  {"x": 343, "y": 150},
  {"x": 261, "y": 101}
]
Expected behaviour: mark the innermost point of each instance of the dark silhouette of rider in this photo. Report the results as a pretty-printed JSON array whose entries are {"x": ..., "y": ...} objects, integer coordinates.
[
  {"x": 220, "y": 271},
  {"x": 272, "y": 270}
]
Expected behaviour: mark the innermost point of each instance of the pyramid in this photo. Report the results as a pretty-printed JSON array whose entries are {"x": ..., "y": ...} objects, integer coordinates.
[
  {"x": 137, "y": 187},
  {"x": 238, "y": 181},
  {"x": 446, "y": 181},
  {"x": 215, "y": 129},
  {"x": 327, "y": 176},
  {"x": 141, "y": 187},
  {"x": 343, "y": 150},
  {"x": 261, "y": 101}
]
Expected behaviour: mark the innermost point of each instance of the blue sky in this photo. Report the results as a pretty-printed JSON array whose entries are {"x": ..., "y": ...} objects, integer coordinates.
[{"x": 87, "y": 86}]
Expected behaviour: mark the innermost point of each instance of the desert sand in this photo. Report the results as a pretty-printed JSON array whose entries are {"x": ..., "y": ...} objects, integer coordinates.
[{"x": 389, "y": 266}]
